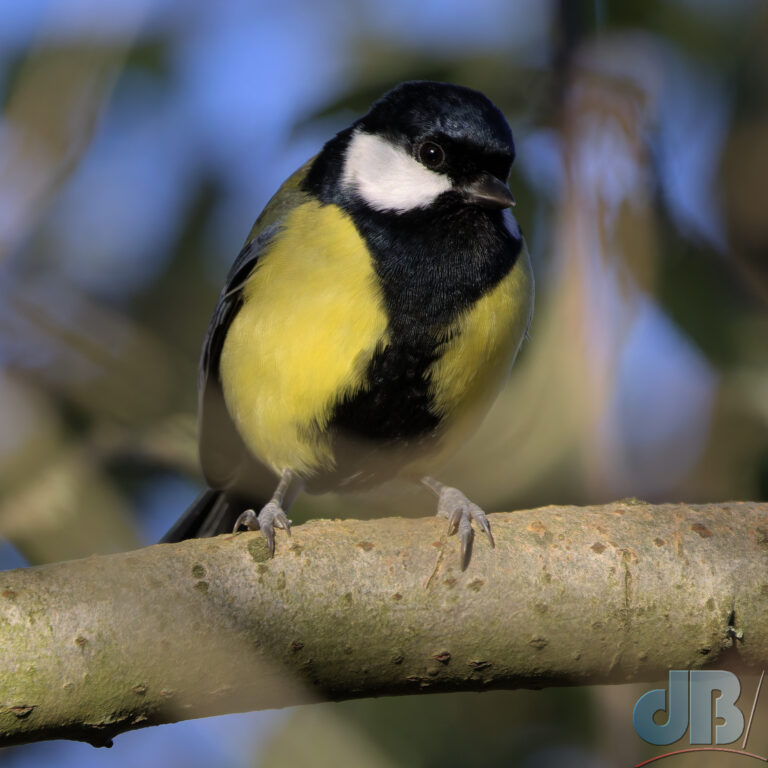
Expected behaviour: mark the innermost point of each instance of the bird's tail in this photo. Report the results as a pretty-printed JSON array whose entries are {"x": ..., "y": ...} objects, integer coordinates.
[{"x": 210, "y": 514}]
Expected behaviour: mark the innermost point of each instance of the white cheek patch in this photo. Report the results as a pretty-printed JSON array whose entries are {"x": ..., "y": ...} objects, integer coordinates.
[{"x": 387, "y": 177}]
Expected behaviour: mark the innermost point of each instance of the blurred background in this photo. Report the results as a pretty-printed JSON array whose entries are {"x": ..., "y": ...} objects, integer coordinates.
[{"x": 139, "y": 139}]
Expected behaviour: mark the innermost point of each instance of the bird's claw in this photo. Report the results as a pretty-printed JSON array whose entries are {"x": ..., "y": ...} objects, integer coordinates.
[
  {"x": 460, "y": 511},
  {"x": 272, "y": 516}
]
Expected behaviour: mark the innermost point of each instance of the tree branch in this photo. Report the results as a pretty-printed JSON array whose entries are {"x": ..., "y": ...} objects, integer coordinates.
[{"x": 622, "y": 592}]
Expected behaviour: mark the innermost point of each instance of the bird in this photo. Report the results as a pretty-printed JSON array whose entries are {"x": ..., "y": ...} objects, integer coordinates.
[{"x": 370, "y": 319}]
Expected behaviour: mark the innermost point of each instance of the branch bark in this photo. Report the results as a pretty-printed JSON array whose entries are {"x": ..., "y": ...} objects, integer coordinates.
[{"x": 622, "y": 592}]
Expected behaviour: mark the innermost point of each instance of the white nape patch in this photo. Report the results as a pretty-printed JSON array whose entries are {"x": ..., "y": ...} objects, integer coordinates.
[
  {"x": 511, "y": 224},
  {"x": 387, "y": 177}
]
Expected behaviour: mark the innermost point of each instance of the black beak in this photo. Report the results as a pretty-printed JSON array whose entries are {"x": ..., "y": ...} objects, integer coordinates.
[{"x": 489, "y": 192}]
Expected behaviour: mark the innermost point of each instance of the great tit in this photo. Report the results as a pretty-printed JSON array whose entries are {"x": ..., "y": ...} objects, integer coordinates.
[{"x": 370, "y": 319}]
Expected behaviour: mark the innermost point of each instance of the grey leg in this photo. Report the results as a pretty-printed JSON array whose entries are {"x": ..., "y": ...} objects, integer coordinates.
[
  {"x": 460, "y": 512},
  {"x": 272, "y": 514}
]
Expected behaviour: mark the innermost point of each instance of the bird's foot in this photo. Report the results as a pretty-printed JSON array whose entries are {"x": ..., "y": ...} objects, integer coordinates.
[
  {"x": 460, "y": 512},
  {"x": 272, "y": 516}
]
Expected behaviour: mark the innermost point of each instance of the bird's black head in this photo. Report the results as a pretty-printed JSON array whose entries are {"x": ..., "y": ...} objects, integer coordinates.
[{"x": 421, "y": 144}]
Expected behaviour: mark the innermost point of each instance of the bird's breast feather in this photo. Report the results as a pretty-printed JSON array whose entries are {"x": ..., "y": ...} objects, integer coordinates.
[{"x": 311, "y": 319}]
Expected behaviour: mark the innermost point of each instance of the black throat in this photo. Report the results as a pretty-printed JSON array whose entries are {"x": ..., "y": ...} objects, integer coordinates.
[{"x": 432, "y": 262}]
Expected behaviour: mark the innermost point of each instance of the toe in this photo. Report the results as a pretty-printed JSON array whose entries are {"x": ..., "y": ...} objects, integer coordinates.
[
  {"x": 273, "y": 516},
  {"x": 268, "y": 532},
  {"x": 452, "y": 505},
  {"x": 282, "y": 521},
  {"x": 466, "y": 535},
  {"x": 249, "y": 519},
  {"x": 454, "y": 519},
  {"x": 482, "y": 521},
  {"x": 460, "y": 512}
]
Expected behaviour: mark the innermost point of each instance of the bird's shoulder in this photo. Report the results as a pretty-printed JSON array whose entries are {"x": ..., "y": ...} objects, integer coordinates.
[{"x": 288, "y": 197}]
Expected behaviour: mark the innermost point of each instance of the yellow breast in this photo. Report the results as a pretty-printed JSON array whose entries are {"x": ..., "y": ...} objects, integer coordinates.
[
  {"x": 478, "y": 353},
  {"x": 311, "y": 320}
]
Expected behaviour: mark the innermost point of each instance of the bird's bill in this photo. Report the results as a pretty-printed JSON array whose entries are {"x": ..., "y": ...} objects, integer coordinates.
[{"x": 489, "y": 192}]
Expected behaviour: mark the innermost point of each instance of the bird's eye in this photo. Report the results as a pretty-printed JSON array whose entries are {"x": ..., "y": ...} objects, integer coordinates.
[{"x": 431, "y": 154}]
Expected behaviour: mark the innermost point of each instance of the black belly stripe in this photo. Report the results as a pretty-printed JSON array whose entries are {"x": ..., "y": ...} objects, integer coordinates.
[
  {"x": 432, "y": 264},
  {"x": 395, "y": 406}
]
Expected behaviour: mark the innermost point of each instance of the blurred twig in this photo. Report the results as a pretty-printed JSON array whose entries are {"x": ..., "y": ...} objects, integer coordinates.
[
  {"x": 51, "y": 115},
  {"x": 95, "y": 647}
]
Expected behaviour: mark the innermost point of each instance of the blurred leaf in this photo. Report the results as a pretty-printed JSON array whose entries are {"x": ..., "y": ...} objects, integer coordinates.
[
  {"x": 68, "y": 510},
  {"x": 50, "y": 115},
  {"x": 151, "y": 56}
]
